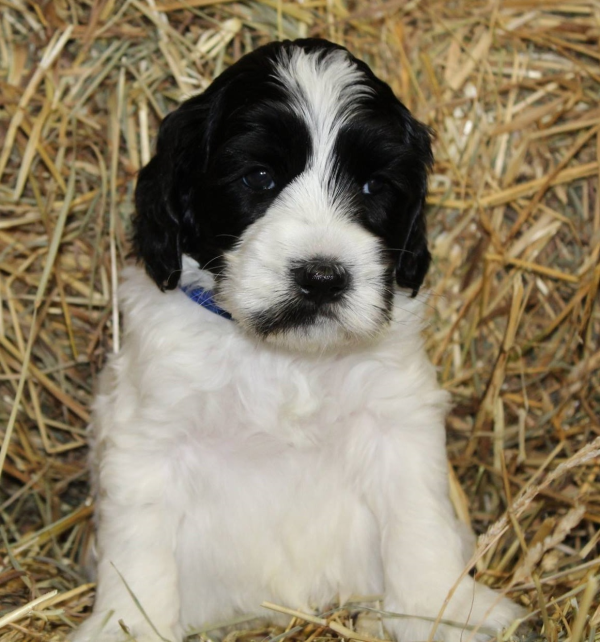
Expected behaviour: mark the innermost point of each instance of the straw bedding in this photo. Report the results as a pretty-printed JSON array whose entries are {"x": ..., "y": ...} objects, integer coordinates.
[{"x": 512, "y": 91}]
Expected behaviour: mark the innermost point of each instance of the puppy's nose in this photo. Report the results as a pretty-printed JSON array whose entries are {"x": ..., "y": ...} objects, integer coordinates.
[{"x": 321, "y": 281}]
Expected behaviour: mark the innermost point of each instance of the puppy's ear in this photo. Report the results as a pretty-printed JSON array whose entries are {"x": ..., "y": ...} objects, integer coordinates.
[
  {"x": 161, "y": 225},
  {"x": 156, "y": 224},
  {"x": 414, "y": 257}
]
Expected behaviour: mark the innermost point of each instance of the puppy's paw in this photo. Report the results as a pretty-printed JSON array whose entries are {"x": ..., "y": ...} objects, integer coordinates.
[
  {"x": 479, "y": 612},
  {"x": 102, "y": 627},
  {"x": 475, "y": 613}
]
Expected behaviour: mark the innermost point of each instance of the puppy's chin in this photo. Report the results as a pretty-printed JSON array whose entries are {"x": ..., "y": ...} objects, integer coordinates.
[
  {"x": 311, "y": 330},
  {"x": 321, "y": 338}
]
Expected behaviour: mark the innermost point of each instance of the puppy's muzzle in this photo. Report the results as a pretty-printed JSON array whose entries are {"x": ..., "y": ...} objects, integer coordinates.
[{"x": 322, "y": 281}]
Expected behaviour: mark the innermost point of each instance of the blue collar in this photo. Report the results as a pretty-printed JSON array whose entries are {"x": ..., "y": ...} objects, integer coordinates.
[{"x": 205, "y": 299}]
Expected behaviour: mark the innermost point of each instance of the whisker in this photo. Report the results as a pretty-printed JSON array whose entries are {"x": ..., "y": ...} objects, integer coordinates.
[
  {"x": 231, "y": 236},
  {"x": 401, "y": 249},
  {"x": 216, "y": 258}
]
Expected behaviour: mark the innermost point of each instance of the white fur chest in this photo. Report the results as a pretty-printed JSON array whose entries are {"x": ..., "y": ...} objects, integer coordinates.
[{"x": 261, "y": 450}]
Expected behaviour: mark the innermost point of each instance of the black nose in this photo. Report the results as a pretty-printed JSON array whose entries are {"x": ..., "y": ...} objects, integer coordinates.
[{"x": 321, "y": 281}]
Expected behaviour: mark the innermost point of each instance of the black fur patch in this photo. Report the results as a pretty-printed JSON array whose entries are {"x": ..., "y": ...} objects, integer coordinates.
[
  {"x": 384, "y": 141},
  {"x": 191, "y": 198}
]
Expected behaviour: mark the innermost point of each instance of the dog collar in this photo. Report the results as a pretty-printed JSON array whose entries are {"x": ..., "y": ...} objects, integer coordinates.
[{"x": 205, "y": 299}]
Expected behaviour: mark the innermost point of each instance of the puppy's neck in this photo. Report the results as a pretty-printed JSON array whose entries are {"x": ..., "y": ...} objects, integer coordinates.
[{"x": 204, "y": 297}]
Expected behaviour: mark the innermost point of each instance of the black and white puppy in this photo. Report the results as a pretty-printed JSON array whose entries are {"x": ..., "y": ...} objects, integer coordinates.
[{"x": 272, "y": 428}]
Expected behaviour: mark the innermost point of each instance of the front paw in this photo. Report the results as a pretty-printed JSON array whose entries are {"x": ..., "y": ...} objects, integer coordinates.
[
  {"x": 100, "y": 627},
  {"x": 475, "y": 613},
  {"x": 106, "y": 627},
  {"x": 482, "y": 611}
]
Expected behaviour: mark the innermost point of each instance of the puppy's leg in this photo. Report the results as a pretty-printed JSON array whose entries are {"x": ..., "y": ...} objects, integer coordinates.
[
  {"x": 135, "y": 550},
  {"x": 421, "y": 545}
]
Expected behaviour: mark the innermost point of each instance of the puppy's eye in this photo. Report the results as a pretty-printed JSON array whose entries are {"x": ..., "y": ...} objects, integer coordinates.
[
  {"x": 259, "y": 180},
  {"x": 373, "y": 186}
]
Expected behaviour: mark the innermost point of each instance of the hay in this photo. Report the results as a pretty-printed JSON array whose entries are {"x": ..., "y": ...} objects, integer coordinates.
[{"x": 512, "y": 90}]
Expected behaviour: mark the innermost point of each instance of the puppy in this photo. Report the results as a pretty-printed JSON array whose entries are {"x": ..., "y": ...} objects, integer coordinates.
[{"x": 272, "y": 428}]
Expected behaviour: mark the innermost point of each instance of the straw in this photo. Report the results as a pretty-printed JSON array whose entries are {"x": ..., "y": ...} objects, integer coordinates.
[{"x": 511, "y": 90}]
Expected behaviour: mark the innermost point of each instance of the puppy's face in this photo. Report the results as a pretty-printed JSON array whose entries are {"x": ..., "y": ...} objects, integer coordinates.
[{"x": 298, "y": 180}]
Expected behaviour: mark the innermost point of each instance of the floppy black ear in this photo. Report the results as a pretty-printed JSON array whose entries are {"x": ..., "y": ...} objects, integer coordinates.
[
  {"x": 156, "y": 224},
  {"x": 161, "y": 225},
  {"x": 414, "y": 258}
]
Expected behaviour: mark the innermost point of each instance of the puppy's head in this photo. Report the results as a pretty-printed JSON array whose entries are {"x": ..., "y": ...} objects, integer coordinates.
[{"x": 298, "y": 180}]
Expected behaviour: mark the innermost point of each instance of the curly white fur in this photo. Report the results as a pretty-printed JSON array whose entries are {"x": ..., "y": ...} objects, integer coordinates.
[{"x": 232, "y": 473}]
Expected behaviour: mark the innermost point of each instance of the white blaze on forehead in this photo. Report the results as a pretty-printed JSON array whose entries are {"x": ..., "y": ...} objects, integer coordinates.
[
  {"x": 326, "y": 89},
  {"x": 310, "y": 218}
]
